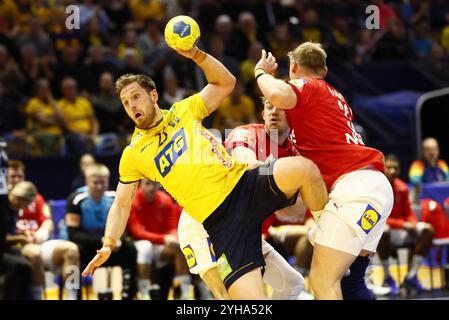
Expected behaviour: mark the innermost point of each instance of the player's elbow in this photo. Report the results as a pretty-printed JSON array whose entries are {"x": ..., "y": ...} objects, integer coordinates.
[
  {"x": 230, "y": 82},
  {"x": 278, "y": 98}
]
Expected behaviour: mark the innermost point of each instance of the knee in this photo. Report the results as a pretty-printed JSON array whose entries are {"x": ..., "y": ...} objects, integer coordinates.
[
  {"x": 144, "y": 252},
  {"x": 429, "y": 229},
  {"x": 33, "y": 254},
  {"x": 71, "y": 252}
]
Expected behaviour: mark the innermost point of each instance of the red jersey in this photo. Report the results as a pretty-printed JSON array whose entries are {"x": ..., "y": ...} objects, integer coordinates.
[
  {"x": 323, "y": 131},
  {"x": 256, "y": 138},
  {"x": 153, "y": 220},
  {"x": 432, "y": 212},
  {"x": 31, "y": 218},
  {"x": 402, "y": 210}
]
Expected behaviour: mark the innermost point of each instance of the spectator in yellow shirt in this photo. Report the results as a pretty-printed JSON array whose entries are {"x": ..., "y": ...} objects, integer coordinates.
[
  {"x": 144, "y": 9},
  {"x": 82, "y": 124},
  {"x": 45, "y": 119}
]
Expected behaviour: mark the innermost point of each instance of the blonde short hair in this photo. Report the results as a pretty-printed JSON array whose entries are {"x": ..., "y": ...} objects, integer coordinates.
[
  {"x": 25, "y": 190},
  {"x": 96, "y": 169},
  {"x": 143, "y": 80},
  {"x": 310, "y": 55}
]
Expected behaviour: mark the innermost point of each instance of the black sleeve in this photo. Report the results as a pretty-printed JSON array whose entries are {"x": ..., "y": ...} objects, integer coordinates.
[{"x": 77, "y": 234}]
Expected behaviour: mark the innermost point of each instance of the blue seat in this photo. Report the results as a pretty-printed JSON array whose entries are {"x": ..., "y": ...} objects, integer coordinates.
[{"x": 58, "y": 210}]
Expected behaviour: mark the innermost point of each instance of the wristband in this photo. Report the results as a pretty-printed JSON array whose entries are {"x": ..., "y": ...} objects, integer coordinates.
[
  {"x": 199, "y": 56},
  {"x": 108, "y": 242},
  {"x": 260, "y": 74}
]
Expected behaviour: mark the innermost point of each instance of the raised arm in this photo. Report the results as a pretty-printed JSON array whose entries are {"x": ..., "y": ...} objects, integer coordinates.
[
  {"x": 221, "y": 82},
  {"x": 115, "y": 225},
  {"x": 278, "y": 92}
]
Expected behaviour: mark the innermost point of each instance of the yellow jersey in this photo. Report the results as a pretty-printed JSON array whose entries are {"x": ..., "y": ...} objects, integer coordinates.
[
  {"x": 36, "y": 105},
  {"x": 184, "y": 157},
  {"x": 79, "y": 114}
]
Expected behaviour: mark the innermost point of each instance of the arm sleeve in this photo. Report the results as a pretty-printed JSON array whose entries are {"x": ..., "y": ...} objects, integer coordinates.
[
  {"x": 193, "y": 105},
  {"x": 302, "y": 89},
  {"x": 76, "y": 234},
  {"x": 127, "y": 170}
]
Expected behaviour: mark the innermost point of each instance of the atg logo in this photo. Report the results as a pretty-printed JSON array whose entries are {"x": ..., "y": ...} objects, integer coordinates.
[
  {"x": 171, "y": 152},
  {"x": 369, "y": 219}
]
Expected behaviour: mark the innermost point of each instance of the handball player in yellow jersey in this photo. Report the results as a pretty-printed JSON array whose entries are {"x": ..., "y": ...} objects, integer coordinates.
[{"x": 173, "y": 148}]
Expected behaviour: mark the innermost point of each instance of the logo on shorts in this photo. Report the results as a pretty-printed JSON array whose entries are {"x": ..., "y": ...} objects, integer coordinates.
[
  {"x": 211, "y": 250},
  {"x": 223, "y": 267},
  {"x": 190, "y": 256},
  {"x": 369, "y": 219}
]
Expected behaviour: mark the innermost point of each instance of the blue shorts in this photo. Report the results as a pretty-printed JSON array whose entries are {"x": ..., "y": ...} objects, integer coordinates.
[{"x": 235, "y": 227}]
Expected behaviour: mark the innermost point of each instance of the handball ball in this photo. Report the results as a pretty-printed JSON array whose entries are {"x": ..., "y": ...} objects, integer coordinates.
[{"x": 182, "y": 32}]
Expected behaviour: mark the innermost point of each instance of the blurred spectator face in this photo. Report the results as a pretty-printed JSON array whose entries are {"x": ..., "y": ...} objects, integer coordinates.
[
  {"x": 69, "y": 88},
  {"x": 311, "y": 18},
  {"x": 93, "y": 26},
  {"x": 70, "y": 55},
  {"x": 431, "y": 151},
  {"x": 153, "y": 27},
  {"x": 247, "y": 22},
  {"x": 149, "y": 188},
  {"x": 86, "y": 160},
  {"x": 223, "y": 25},
  {"x": 282, "y": 33},
  {"x": 392, "y": 169},
  {"x": 130, "y": 38},
  {"x": 273, "y": 117},
  {"x": 130, "y": 59},
  {"x": 15, "y": 175},
  {"x": 97, "y": 185},
  {"x": 341, "y": 23},
  {"x": 28, "y": 53},
  {"x": 365, "y": 37},
  {"x": 42, "y": 89},
  {"x": 106, "y": 81},
  {"x": 96, "y": 54}
]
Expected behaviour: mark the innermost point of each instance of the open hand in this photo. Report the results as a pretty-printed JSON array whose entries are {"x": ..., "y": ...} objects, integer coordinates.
[
  {"x": 100, "y": 258},
  {"x": 267, "y": 63}
]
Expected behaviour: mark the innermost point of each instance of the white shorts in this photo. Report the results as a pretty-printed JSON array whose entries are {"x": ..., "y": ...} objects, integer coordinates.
[
  {"x": 400, "y": 237},
  {"x": 355, "y": 216},
  {"x": 197, "y": 247},
  {"x": 148, "y": 252},
  {"x": 47, "y": 250}
]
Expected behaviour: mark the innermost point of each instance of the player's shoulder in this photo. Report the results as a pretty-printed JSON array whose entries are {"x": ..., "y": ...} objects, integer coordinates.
[
  {"x": 76, "y": 198},
  {"x": 298, "y": 82},
  {"x": 110, "y": 194}
]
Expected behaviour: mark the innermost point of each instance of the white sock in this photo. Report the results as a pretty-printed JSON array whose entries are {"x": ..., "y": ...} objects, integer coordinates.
[
  {"x": 144, "y": 287},
  {"x": 184, "y": 281},
  {"x": 37, "y": 292},
  {"x": 386, "y": 266},
  {"x": 416, "y": 263},
  {"x": 72, "y": 294}
]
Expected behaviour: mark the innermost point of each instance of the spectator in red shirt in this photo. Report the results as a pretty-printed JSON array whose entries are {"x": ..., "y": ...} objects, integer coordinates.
[
  {"x": 403, "y": 229},
  {"x": 437, "y": 215},
  {"x": 153, "y": 224}
]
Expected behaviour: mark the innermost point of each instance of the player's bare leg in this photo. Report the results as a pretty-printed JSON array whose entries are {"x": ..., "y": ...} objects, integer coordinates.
[
  {"x": 33, "y": 254},
  {"x": 66, "y": 254},
  {"x": 295, "y": 174},
  {"x": 213, "y": 281},
  {"x": 325, "y": 281},
  {"x": 248, "y": 287}
]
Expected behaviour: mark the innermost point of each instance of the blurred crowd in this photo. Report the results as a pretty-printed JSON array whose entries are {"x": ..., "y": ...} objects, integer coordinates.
[{"x": 57, "y": 93}]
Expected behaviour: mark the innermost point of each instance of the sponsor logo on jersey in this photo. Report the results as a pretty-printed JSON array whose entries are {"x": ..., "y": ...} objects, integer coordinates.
[
  {"x": 190, "y": 256},
  {"x": 211, "y": 250},
  {"x": 171, "y": 152},
  {"x": 223, "y": 267},
  {"x": 369, "y": 219}
]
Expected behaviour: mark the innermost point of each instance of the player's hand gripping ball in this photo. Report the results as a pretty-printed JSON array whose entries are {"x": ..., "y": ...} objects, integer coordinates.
[{"x": 182, "y": 32}]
